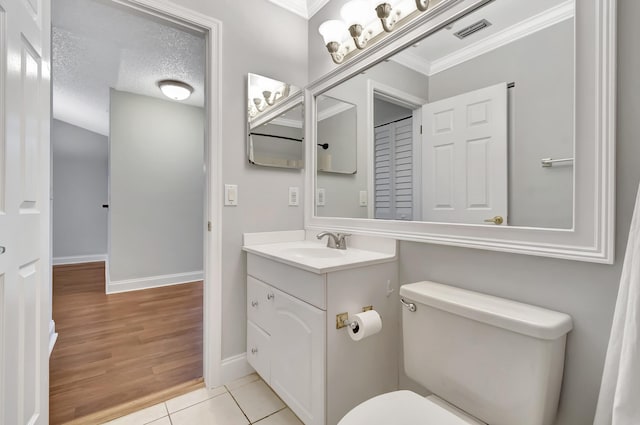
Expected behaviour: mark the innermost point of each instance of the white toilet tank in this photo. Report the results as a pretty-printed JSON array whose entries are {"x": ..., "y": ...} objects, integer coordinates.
[{"x": 498, "y": 360}]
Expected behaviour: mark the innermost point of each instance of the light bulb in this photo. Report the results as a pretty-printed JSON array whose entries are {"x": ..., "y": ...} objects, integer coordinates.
[
  {"x": 333, "y": 31},
  {"x": 357, "y": 12}
]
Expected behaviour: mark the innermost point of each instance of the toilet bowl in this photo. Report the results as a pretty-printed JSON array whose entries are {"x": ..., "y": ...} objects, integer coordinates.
[
  {"x": 406, "y": 408},
  {"x": 487, "y": 360}
]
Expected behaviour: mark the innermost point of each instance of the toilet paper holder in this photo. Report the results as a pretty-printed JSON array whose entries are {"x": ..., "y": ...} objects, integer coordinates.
[{"x": 342, "y": 319}]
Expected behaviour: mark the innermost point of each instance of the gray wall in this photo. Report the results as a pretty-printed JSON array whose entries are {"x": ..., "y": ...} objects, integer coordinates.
[
  {"x": 541, "y": 119},
  {"x": 156, "y": 153},
  {"x": 262, "y": 38},
  {"x": 385, "y": 112},
  {"x": 586, "y": 291},
  {"x": 79, "y": 189}
]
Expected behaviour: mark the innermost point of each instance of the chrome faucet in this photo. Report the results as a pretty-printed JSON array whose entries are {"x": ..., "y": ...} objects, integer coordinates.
[{"x": 337, "y": 241}]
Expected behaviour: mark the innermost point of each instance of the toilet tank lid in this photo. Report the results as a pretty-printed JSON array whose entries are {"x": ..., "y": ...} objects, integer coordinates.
[{"x": 522, "y": 318}]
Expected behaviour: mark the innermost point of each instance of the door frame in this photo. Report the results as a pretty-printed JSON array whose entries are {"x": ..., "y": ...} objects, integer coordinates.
[
  {"x": 406, "y": 100},
  {"x": 212, "y": 300}
]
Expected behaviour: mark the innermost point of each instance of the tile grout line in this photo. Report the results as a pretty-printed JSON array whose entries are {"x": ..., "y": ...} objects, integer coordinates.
[
  {"x": 200, "y": 402},
  {"x": 238, "y": 404},
  {"x": 271, "y": 414}
]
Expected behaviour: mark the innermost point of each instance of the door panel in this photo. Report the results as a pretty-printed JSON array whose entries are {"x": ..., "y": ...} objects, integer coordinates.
[
  {"x": 24, "y": 201},
  {"x": 465, "y": 149},
  {"x": 297, "y": 346}
]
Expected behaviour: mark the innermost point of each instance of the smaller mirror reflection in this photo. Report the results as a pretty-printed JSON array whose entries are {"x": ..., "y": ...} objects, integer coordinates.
[
  {"x": 275, "y": 117},
  {"x": 337, "y": 150}
]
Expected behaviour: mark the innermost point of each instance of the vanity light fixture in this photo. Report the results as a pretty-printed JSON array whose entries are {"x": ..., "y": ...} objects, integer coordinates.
[
  {"x": 422, "y": 5},
  {"x": 354, "y": 14},
  {"x": 176, "y": 90},
  {"x": 265, "y": 92},
  {"x": 333, "y": 32},
  {"x": 383, "y": 10},
  {"x": 357, "y": 18}
]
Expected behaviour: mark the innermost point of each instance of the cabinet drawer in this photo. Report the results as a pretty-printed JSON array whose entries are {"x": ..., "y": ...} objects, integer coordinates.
[
  {"x": 304, "y": 285},
  {"x": 260, "y": 303},
  {"x": 259, "y": 351}
]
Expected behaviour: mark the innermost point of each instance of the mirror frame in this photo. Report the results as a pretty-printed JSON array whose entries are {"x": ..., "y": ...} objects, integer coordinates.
[{"x": 592, "y": 236}]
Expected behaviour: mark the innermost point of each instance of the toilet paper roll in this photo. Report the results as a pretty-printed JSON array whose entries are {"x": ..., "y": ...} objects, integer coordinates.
[{"x": 367, "y": 323}]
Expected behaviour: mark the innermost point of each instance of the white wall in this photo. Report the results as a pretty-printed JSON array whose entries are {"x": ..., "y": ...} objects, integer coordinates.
[
  {"x": 540, "y": 122},
  {"x": 262, "y": 38},
  {"x": 79, "y": 190},
  {"x": 586, "y": 291},
  {"x": 157, "y": 177}
]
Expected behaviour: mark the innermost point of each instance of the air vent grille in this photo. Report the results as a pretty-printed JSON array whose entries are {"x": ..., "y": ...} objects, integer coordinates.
[{"x": 472, "y": 29}]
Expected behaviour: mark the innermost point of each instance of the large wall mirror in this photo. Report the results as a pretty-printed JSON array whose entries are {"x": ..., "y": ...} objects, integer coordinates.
[
  {"x": 487, "y": 124},
  {"x": 275, "y": 118}
]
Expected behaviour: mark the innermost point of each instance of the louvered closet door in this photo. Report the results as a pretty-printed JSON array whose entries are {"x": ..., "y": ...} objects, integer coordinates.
[{"x": 394, "y": 173}]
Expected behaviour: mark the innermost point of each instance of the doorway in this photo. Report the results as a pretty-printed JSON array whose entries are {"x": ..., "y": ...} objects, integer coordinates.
[{"x": 175, "y": 18}]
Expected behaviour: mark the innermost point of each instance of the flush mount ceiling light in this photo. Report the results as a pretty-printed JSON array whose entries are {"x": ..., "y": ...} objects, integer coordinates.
[
  {"x": 176, "y": 90},
  {"x": 358, "y": 19}
]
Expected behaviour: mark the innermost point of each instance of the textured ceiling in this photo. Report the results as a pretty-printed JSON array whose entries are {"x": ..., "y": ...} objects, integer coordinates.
[{"x": 98, "y": 45}]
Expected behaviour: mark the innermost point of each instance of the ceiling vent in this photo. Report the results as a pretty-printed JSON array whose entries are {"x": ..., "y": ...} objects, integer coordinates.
[{"x": 472, "y": 29}]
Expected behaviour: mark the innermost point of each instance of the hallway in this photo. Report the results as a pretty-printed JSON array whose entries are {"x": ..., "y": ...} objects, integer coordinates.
[{"x": 113, "y": 349}]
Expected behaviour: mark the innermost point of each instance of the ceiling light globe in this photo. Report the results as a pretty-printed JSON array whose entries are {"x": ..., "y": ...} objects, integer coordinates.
[
  {"x": 333, "y": 31},
  {"x": 176, "y": 90}
]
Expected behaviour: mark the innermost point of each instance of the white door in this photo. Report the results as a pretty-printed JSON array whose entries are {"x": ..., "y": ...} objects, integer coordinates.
[
  {"x": 298, "y": 361},
  {"x": 464, "y": 150},
  {"x": 25, "y": 308}
]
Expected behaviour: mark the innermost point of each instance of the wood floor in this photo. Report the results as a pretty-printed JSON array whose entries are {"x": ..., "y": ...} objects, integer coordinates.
[{"x": 113, "y": 349}]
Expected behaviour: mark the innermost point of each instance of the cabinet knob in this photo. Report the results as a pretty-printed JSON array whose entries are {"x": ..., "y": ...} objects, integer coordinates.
[
  {"x": 254, "y": 351},
  {"x": 271, "y": 296},
  {"x": 254, "y": 303}
]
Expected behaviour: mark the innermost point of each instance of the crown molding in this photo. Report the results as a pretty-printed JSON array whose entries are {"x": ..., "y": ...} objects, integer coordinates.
[
  {"x": 412, "y": 61},
  {"x": 334, "y": 110},
  {"x": 286, "y": 122},
  {"x": 313, "y": 6},
  {"x": 295, "y": 6},
  {"x": 515, "y": 32},
  {"x": 303, "y": 8}
]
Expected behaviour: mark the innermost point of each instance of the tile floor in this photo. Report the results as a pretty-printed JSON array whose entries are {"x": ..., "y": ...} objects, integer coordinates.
[{"x": 245, "y": 401}]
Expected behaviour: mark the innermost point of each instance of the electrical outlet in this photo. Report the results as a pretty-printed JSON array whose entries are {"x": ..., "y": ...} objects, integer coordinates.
[
  {"x": 320, "y": 201},
  {"x": 294, "y": 196},
  {"x": 231, "y": 194},
  {"x": 363, "y": 198}
]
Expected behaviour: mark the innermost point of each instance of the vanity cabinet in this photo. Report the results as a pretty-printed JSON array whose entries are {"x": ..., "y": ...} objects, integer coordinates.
[
  {"x": 293, "y": 343},
  {"x": 286, "y": 336}
]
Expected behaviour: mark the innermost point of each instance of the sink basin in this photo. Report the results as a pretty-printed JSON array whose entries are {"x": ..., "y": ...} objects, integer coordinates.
[{"x": 311, "y": 252}]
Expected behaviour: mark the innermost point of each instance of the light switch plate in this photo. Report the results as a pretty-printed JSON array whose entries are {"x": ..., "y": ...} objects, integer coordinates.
[
  {"x": 231, "y": 194},
  {"x": 294, "y": 199},
  {"x": 320, "y": 193},
  {"x": 363, "y": 198}
]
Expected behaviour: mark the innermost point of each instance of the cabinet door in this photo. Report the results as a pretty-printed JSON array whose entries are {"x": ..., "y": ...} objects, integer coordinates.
[
  {"x": 298, "y": 357},
  {"x": 259, "y": 351}
]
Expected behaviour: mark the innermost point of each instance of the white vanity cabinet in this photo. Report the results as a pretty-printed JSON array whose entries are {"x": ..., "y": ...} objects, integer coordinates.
[
  {"x": 293, "y": 343},
  {"x": 286, "y": 334}
]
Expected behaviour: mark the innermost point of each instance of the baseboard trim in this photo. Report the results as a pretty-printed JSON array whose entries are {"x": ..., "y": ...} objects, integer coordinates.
[
  {"x": 53, "y": 336},
  {"x": 235, "y": 367},
  {"x": 117, "y": 286},
  {"x": 78, "y": 259}
]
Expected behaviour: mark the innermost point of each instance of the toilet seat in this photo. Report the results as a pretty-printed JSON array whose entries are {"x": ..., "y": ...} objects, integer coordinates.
[{"x": 405, "y": 408}]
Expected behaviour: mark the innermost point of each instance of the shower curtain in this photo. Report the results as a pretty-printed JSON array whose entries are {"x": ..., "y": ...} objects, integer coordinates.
[{"x": 619, "y": 401}]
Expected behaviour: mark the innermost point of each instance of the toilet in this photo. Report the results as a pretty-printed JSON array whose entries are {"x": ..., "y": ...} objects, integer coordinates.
[{"x": 487, "y": 360}]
